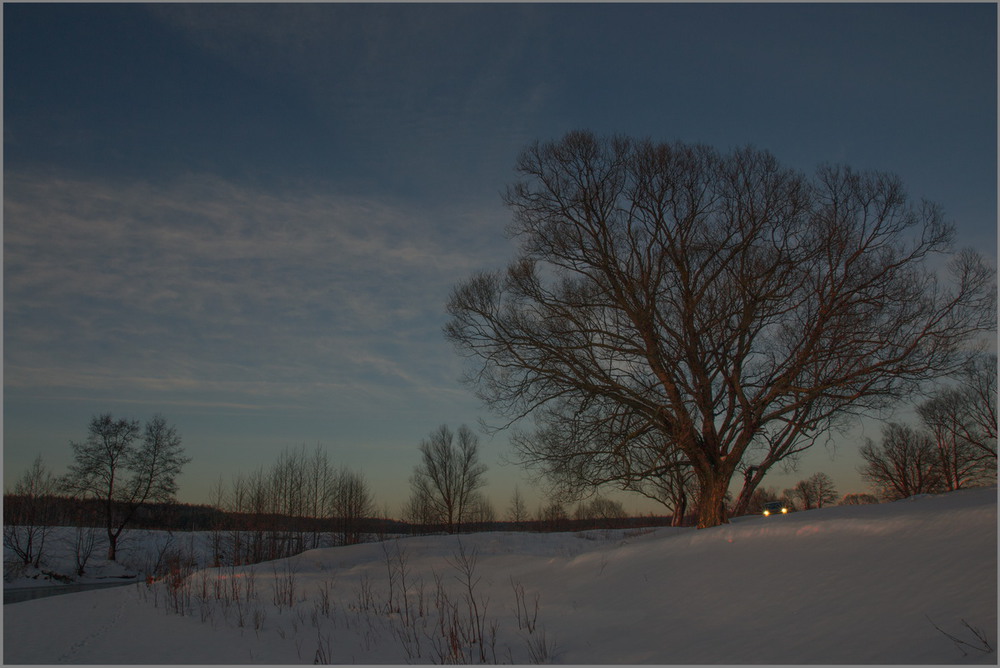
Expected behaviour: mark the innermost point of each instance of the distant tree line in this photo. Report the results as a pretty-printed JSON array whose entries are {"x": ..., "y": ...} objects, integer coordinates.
[
  {"x": 124, "y": 476},
  {"x": 302, "y": 501}
]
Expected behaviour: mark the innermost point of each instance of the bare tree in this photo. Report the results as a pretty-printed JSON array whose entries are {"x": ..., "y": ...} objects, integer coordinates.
[
  {"x": 826, "y": 492},
  {"x": 858, "y": 499},
  {"x": 217, "y": 499},
  {"x": 904, "y": 464},
  {"x": 448, "y": 474},
  {"x": 286, "y": 498},
  {"x": 980, "y": 387},
  {"x": 83, "y": 540},
  {"x": 552, "y": 515},
  {"x": 29, "y": 513},
  {"x": 570, "y": 448},
  {"x": 240, "y": 535},
  {"x": 671, "y": 481},
  {"x": 114, "y": 466},
  {"x": 731, "y": 307},
  {"x": 418, "y": 509},
  {"x": 605, "y": 513},
  {"x": 353, "y": 502},
  {"x": 962, "y": 420},
  {"x": 282, "y": 510},
  {"x": 258, "y": 498},
  {"x": 815, "y": 491},
  {"x": 518, "y": 510},
  {"x": 947, "y": 417},
  {"x": 319, "y": 483},
  {"x": 480, "y": 510}
]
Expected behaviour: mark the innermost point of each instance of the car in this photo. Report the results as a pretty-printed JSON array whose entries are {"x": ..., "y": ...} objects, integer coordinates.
[{"x": 775, "y": 508}]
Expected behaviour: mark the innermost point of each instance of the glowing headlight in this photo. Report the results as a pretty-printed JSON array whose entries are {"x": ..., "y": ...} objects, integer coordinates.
[
  {"x": 784, "y": 511},
  {"x": 766, "y": 513}
]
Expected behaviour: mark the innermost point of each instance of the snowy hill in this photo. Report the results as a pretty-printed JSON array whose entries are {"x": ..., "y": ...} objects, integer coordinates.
[{"x": 842, "y": 585}]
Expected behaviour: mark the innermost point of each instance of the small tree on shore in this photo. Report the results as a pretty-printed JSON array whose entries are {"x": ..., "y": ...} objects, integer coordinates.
[
  {"x": 125, "y": 467},
  {"x": 29, "y": 514},
  {"x": 83, "y": 540}
]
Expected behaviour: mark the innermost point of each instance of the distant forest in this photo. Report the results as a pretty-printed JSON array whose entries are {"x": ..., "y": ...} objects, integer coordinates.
[{"x": 66, "y": 511}]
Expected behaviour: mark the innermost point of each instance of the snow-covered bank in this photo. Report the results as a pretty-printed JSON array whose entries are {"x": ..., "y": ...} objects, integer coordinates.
[
  {"x": 858, "y": 584},
  {"x": 139, "y": 553}
]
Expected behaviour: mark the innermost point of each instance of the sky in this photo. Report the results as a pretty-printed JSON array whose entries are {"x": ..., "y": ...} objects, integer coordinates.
[{"x": 249, "y": 217}]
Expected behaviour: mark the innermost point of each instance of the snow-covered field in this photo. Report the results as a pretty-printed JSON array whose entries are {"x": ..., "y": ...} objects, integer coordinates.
[{"x": 842, "y": 585}]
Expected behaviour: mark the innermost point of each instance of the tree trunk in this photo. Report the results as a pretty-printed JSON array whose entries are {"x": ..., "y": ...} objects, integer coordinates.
[
  {"x": 680, "y": 509},
  {"x": 112, "y": 545},
  {"x": 750, "y": 483},
  {"x": 712, "y": 502}
]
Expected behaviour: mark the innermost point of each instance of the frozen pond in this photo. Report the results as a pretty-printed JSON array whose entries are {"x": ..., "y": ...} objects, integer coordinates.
[{"x": 17, "y": 595}]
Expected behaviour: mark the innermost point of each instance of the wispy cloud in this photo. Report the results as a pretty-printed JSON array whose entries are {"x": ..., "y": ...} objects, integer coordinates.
[
  {"x": 405, "y": 83},
  {"x": 203, "y": 284}
]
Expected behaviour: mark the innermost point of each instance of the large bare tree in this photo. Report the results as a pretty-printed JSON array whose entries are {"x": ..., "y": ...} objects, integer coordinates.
[{"x": 730, "y": 306}]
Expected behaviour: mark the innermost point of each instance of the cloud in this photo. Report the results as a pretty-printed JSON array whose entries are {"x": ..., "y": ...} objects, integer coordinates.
[
  {"x": 203, "y": 284},
  {"x": 399, "y": 84}
]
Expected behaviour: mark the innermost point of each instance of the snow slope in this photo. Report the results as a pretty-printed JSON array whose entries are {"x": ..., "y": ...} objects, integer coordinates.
[{"x": 842, "y": 585}]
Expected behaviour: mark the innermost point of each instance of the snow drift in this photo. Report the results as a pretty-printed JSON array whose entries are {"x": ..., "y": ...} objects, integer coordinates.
[{"x": 844, "y": 585}]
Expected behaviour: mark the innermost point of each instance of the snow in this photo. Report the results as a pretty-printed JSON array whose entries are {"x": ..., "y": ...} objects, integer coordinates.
[{"x": 840, "y": 585}]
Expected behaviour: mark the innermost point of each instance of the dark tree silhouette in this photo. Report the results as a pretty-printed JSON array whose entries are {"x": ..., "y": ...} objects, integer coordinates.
[
  {"x": 444, "y": 482},
  {"x": 815, "y": 491},
  {"x": 903, "y": 464},
  {"x": 29, "y": 513},
  {"x": 980, "y": 387},
  {"x": 721, "y": 305},
  {"x": 960, "y": 461},
  {"x": 125, "y": 467},
  {"x": 858, "y": 499}
]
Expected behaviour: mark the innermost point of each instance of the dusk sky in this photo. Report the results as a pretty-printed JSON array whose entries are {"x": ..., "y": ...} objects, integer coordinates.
[{"x": 249, "y": 218}]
